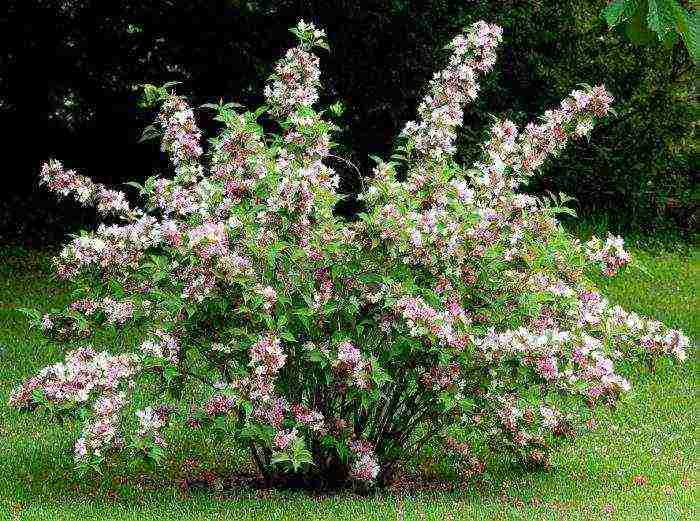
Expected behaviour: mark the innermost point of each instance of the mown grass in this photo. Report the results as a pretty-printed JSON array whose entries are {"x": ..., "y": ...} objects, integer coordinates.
[{"x": 653, "y": 434}]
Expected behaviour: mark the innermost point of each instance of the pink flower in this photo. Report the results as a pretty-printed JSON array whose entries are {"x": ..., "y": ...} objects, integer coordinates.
[
  {"x": 313, "y": 419},
  {"x": 80, "y": 448},
  {"x": 547, "y": 367},
  {"x": 269, "y": 295},
  {"x": 267, "y": 355},
  {"x": 284, "y": 439},
  {"x": 272, "y": 411},
  {"x": 348, "y": 354},
  {"x": 219, "y": 405},
  {"x": 365, "y": 469}
]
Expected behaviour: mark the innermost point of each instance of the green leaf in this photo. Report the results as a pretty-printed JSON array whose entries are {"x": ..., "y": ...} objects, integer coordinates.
[
  {"x": 32, "y": 314},
  {"x": 638, "y": 31},
  {"x": 136, "y": 185},
  {"x": 653, "y": 16},
  {"x": 280, "y": 457},
  {"x": 315, "y": 356},
  {"x": 632, "y": 7},
  {"x": 116, "y": 288},
  {"x": 613, "y": 12},
  {"x": 287, "y": 335},
  {"x": 169, "y": 84},
  {"x": 647, "y": 21},
  {"x": 170, "y": 373},
  {"x": 149, "y": 133},
  {"x": 688, "y": 25},
  {"x": 337, "y": 109},
  {"x": 39, "y": 397}
]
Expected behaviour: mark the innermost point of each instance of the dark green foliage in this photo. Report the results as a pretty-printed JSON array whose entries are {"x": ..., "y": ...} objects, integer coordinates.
[{"x": 663, "y": 21}]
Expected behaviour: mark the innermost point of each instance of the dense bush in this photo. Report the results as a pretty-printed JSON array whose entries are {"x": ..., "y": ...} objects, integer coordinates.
[
  {"x": 91, "y": 53},
  {"x": 454, "y": 307}
]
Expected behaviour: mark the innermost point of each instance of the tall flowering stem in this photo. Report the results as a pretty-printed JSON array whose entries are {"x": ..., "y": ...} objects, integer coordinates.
[
  {"x": 67, "y": 183},
  {"x": 441, "y": 112}
]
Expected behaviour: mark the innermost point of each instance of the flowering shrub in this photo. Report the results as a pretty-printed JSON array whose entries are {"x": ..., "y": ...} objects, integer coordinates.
[{"x": 454, "y": 307}]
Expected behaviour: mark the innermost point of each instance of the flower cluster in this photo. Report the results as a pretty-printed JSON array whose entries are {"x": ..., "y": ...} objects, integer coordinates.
[
  {"x": 284, "y": 439},
  {"x": 575, "y": 118},
  {"x": 219, "y": 404},
  {"x": 611, "y": 254},
  {"x": 102, "y": 433},
  {"x": 67, "y": 183},
  {"x": 296, "y": 78},
  {"x": 312, "y": 419},
  {"x": 163, "y": 346},
  {"x": 181, "y": 138},
  {"x": 423, "y": 319},
  {"x": 350, "y": 362},
  {"x": 85, "y": 373},
  {"x": 151, "y": 421},
  {"x": 365, "y": 466},
  {"x": 267, "y": 356}
]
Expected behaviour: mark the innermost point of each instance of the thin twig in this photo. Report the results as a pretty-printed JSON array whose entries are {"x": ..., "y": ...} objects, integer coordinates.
[{"x": 359, "y": 174}]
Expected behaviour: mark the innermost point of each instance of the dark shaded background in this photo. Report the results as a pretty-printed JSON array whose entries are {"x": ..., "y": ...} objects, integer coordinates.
[{"x": 69, "y": 71}]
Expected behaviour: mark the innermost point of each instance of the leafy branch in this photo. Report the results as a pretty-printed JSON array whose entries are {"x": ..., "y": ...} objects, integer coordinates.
[{"x": 645, "y": 21}]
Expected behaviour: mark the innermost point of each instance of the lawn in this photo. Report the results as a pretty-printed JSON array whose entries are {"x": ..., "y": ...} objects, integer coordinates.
[{"x": 640, "y": 462}]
